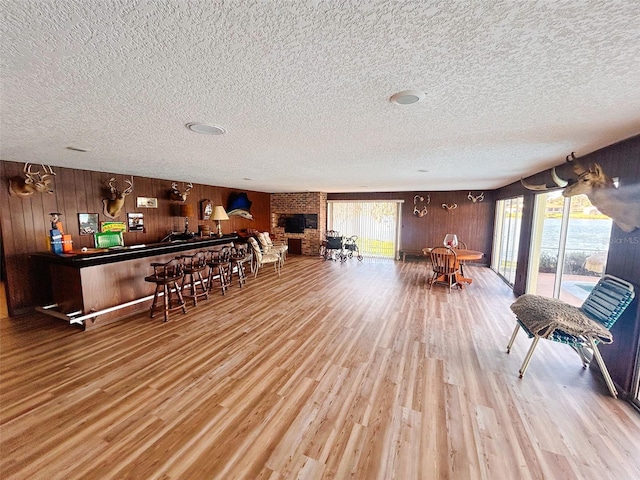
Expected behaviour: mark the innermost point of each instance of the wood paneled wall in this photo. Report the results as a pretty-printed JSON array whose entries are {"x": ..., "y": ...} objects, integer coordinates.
[
  {"x": 472, "y": 222},
  {"x": 621, "y": 160},
  {"x": 26, "y": 221}
]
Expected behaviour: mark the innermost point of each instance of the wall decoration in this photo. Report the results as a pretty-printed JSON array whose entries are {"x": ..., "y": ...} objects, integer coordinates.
[
  {"x": 113, "y": 205},
  {"x": 239, "y": 205},
  {"x": 136, "y": 222},
  {"x": 417, "y": 200},
  {"x": 88, "y": 223},
  {"x": 146, "y": 202},
  {"x": 38, "y": 181},
  {"x": 476, "y": 199},
  {"x": 113, "y": 227},
  {"x": 206, "y": 209},
  {"x": 621, "y": 204},
  {"x": 177, "y": 195},
  {"x": 449, "y": 207}
]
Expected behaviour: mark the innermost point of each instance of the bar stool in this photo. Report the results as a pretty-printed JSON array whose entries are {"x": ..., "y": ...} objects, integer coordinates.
[
  {"x": 219, "y": 262},
  {"x": 239, "y": 255},
  {"x": 193, "y": 266},
  {"x": 165, "y": 276}
]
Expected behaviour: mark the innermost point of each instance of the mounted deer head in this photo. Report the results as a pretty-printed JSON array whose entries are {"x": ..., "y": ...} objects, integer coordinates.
[
  {"x": 38, "y": 181},
  {"x": 113, "y": 205},
  {"x": 621, "y": 204},
  {"x": 175, "y": 193}
]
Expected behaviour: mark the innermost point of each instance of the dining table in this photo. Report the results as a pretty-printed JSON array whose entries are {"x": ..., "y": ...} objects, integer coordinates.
[{"x": 462, "y": 255}]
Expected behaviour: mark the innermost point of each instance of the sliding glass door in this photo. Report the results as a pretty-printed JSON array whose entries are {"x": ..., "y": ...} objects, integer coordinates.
[
  {"x": 570, "y": 242},
  {"x": 507, "y": 237},
  {"x": 375, "y": 223}
]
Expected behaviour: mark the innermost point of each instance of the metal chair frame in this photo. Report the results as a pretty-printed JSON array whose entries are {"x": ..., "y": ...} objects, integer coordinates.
[{"x": 605, "y": 304}]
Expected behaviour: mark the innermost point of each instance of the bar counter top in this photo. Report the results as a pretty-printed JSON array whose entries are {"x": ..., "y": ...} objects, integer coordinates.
[
  {"x": 98, "y": 286},
  {"x": 101, "y": 256}
]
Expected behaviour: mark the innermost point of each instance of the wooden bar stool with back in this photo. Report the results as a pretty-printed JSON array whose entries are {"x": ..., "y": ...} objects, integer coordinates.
[{"x": 166, "y": 276}]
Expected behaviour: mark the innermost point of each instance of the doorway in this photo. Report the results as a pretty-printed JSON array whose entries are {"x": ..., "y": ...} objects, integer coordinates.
[
  {"x": 569, "y": 247},
  {"x": 375, "y": 223},
  {"x": 506, "y": 238}
]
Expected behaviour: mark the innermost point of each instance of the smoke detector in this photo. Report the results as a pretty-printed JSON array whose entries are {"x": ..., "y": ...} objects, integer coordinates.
[
  {"x": 407, "y": 97},
  {"x": 205, "y": 128}
]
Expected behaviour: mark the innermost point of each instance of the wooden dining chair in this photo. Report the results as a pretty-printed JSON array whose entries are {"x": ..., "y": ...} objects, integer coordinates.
[{"x": 444, "y": 263}]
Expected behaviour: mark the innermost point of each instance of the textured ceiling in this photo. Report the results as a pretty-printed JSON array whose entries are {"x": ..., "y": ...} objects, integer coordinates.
[{"x": 303, "y": 87}]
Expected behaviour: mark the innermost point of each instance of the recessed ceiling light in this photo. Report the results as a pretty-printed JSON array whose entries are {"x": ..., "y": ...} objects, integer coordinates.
[
  {"x": 77, "y": 149},
  {"x": 205, "y": 128},
  {"x": 407, "y": 97},
  {"x": 422, "y": 170},
  {"x": 248, "y": 179}
]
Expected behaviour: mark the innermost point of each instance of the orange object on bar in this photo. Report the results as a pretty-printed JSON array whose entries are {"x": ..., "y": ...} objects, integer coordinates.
[{"x": 67, "y": 243}]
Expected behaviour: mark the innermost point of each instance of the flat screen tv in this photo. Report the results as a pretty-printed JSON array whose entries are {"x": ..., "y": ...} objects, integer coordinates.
[{"x": 294, "y": 224}]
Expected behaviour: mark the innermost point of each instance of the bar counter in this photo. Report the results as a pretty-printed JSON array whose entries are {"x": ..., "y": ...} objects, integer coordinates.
[{"x": 99, "y": 286}]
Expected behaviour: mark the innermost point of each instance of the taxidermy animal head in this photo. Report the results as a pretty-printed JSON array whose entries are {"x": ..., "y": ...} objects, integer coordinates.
[
  {"x": 114, "y": 204},
  {"x": 621, "y": 204},
  {"x": 175, "y": 193},
  {"x": 34, "y": 181}
]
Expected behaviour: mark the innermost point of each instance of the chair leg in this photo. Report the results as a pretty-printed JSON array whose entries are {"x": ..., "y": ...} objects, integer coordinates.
[
  {"x": 241, "y": 276},
  {"x": 155, "y": 299},
  {"x": 181, "y": 301},
  {"x": 583, "y": 358},
  {"x": 205, "y": 292},
  {"x": 167, "y": 301},
  {"x": 603, "y": 368},
  {"x": 527, "y": 359},
  {"x": 513, "y": 337},
  {"x": 222, "y": 275}
]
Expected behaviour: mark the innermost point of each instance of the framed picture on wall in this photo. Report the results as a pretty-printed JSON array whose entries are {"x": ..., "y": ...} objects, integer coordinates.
[
  {"x": 136, "y": 222},
  {"x": 88, "y": 223},
  {"x": 206, "y": 208}
]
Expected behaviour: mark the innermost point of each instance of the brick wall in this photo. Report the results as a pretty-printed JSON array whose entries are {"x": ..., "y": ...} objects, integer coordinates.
[{"x": 306, "y": 202}]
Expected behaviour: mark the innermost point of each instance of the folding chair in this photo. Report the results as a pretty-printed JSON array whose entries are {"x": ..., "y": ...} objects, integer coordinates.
[{"x": 581, "y": 328}]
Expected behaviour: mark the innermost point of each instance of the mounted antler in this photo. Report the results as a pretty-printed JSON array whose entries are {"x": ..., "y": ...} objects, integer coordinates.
[
  {"x": 449, "y": 207},
  {"x": 175, "y": 193},
  {"x": 417, "y": 211},
  {"x": 478, "y": 198},
  {"x": 33, "y": 182},
  {"x": 554, "y": 176},
  {"x": 113, "y": 205}
]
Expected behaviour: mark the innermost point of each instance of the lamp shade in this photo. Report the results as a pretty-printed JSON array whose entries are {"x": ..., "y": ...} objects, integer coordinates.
[
  {"x": 219, "y": 213},
  {"x": 186, "y": 210}
]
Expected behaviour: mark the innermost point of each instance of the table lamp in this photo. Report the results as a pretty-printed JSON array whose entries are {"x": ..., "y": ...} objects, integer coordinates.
[
  {"x": 186, "y": 211},
  {"x": 451, "y": 240},
  {"x": 219, "y": 214}
]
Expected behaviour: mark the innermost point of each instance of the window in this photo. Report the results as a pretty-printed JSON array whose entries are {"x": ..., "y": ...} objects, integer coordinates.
[
  {"x": 569, "y": 247},
  {"x": 507, "y": 237},
  {"x": 375, "y": 223}
]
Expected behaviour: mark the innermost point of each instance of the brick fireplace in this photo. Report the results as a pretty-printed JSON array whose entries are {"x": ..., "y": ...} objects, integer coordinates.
[{"x": 300, "y": 203}]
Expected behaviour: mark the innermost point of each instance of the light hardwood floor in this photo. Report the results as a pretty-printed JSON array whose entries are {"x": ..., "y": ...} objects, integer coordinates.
[{"x": 333, "y": 370}]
